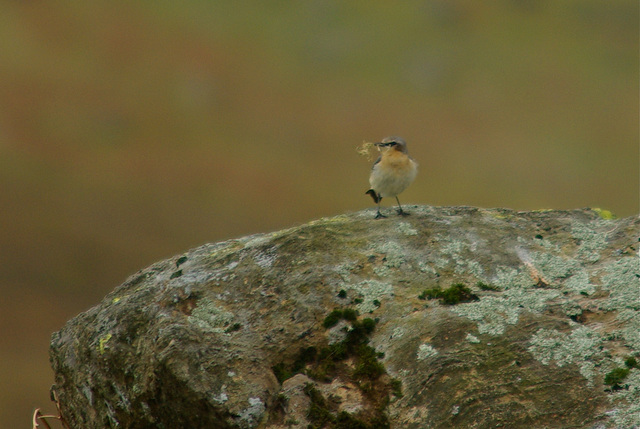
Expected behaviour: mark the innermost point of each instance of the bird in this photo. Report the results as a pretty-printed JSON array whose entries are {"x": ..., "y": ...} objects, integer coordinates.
[{"x": 392, "y": 173}]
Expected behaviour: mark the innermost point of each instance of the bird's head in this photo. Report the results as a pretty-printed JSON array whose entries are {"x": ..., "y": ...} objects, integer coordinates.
[{"x": 393, "y": 143}]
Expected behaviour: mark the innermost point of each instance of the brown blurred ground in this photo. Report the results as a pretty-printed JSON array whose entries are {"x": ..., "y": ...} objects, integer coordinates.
[{"x": 129, "y": 133}]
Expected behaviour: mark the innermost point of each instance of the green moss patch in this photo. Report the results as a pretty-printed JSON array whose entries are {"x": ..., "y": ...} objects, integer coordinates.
[
  {"x": 604, "y": 214},
  {"x": 333, "y": 318},
  {"x": 631, "y": 362},
  {"x": 351, "y": 360},
  {"x": 455, "y": 294},
  {"x": 305, "y": 356},
  {"x": 323, "y": 413},
  {"x": 338, "y": 314},
  {"x": 616, "y": 377},
  {"x": 319, "y": 413},
  {"x": 488, "y": 287}
]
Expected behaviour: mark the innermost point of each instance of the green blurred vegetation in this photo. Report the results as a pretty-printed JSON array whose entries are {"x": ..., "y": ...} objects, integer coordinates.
[{"x": 130, "y": 131}]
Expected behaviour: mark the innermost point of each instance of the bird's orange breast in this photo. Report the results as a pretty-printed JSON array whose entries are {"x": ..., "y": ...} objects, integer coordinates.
[{"x": 396, "y": 162}]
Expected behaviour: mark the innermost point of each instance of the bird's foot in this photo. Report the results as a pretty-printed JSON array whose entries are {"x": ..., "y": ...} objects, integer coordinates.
[
  {"x": 402, "y": 212},
  {"x": 379, "y": 215}
]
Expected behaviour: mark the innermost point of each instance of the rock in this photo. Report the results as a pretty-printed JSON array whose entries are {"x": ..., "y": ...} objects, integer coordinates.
[
  {"x": 234, "y": 335},
  {"x": 297, "y": 402}
]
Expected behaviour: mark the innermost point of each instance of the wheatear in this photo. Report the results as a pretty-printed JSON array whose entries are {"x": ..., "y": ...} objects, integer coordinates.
[{"x": 392, "y": 172}]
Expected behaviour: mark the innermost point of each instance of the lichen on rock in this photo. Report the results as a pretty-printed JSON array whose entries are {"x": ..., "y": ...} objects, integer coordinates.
[{"x": 235, "y": 334}]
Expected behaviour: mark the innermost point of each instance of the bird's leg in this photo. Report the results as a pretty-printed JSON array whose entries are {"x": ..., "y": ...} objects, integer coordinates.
[
  {"x": 379, "y": 215},
  {"x": 400, "y": 211}
]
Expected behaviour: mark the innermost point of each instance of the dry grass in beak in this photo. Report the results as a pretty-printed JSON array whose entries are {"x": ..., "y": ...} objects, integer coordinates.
[{"x": 365, "y": 150}]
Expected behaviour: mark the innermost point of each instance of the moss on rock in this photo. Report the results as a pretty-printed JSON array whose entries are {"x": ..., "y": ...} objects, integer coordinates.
[{"x": 218, "y": 345}]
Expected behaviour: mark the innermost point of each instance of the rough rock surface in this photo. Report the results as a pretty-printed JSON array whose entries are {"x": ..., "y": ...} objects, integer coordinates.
[{"x": 233, "y": 334}]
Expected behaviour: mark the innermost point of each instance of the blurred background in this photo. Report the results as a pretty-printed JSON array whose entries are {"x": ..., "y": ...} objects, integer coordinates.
[{"x": 133, "y": 131}]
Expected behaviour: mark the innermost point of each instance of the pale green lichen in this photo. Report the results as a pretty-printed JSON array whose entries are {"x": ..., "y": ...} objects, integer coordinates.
[
  {"x": 370, "y": 291},
  {"x": 627, "y": 414},
  {"x": 266, "y": 258},
  {"x": 453, "y": 247},
  {"x": 533, "y": 300},
  {"x": 541, "y": 242},
  {"x": 580, "y": 283},
  {"x": 252, "y": 415},
  {"x": 592, "y": 241},
  {"x": 222, "y": 397},
  {"x": 258, "y": 240},
  {"x": 582, "y": 346},
  {"x": 630, "y": 331},
  {"x": 223, "y": 249},
  {"x": 475, "y": 269},
  {"x": 494, "y": 313},
  {"x": 441, "y": 262},
  {"x": 554, "y": 267},
  {"x": 426, "y": 268},
  {"x": 571, "y": 309},
  {"x": 345, "y": 270},
  {"x": 338, "y": 333},
  {"x": 426, "y": 351},
  {"x": 560, "y": 272},
  {"x": 619, "y": 280},
  {"x": 512, "y": 278},
  {"x": 406, "y": 228},
  {"x": 456, "y": 256},
  {"x": 622, "y": 282},
  {"x": 209, "y": 317},
  {"x": 395, "y": 253},
  {"x": 398, "y": 332},
  {"x": 472, "y": 339},
  {"x": 381, "y": 270}
]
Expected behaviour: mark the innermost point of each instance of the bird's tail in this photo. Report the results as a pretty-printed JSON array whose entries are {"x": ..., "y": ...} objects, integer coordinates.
[{"x": 374, "y": 195}]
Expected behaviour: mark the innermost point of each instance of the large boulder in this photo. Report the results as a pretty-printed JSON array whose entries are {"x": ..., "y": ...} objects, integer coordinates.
[{"x": 450, "y": 317}]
